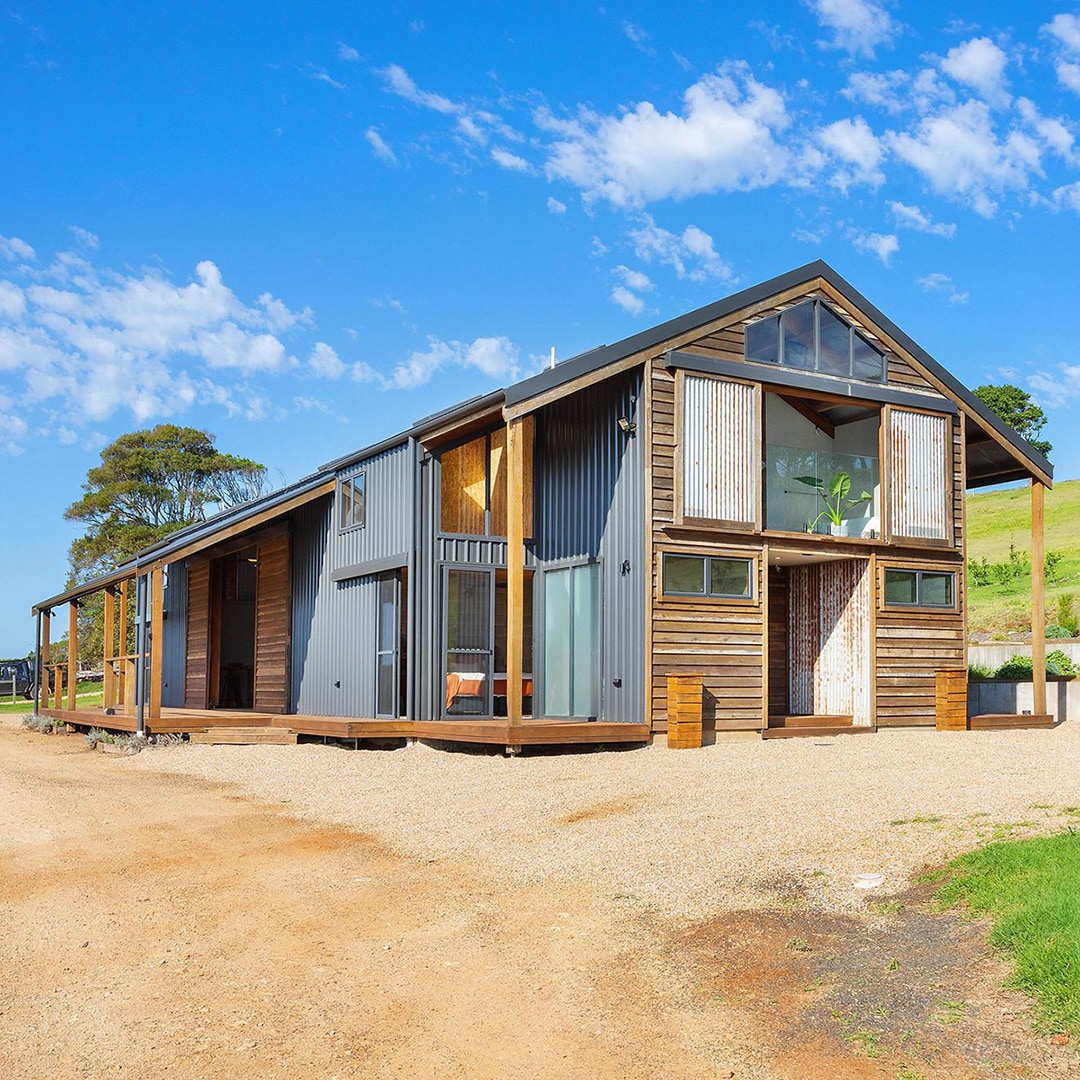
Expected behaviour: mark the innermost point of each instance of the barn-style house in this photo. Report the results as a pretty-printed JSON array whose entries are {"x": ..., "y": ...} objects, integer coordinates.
[{"x": 765, "y": 496}]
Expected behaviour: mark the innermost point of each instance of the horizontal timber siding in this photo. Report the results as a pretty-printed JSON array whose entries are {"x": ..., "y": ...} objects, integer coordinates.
[{"x": 913, "y": 645}]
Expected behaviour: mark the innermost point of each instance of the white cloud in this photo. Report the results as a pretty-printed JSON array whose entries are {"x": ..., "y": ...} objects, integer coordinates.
[
  {"x": 639, "y": 37},
  {"x": 725, "y": 139},
  {"x": 1055, "y": 134},
  {"x": 690, "y": 253},
  {"x": 942, "y": 283},
  {"x": 884, "y": 246},
  {"x": 959, "y": 153},
  {"x": 85, "y": 238},
  {"x": 633, "y": 279},
  {"x": 912, "y": 217},
  {"x": 324, "y": 362},
  {"x": 881, "y": 89},
  {"x": 322, "y": 76},
  {"x": 399, "y": 82},
  {"x": 347, "y": 52},
  {"x": 12, "y": 300},
  {"x": 980, "y": 64},
  {"x": 628, "y": 301},
  {"x": 1067, "y": 196},
  {"x": 1065, "y": 29},
  {"x": 495, "y": 357},
  {"x": 858, "y": 26},
  {"x": 858, "y": 148},
  {"x": 510, "y": 161},
  {"x": 554, "y": 206},
  {"x": 380, "y": 147},
  {"x": 13, "y": 249}
]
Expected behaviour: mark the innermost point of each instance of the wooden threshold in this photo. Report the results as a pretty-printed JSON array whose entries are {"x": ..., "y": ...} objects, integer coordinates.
[
  {"x": 1009, "y": 721},
  {"x": 817, "y": 731}
]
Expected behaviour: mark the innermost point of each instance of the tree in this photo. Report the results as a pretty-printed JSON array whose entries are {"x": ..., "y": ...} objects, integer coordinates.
[
  {"x": 1017, "y": 409},
  {"x": 149, "y": 484}
]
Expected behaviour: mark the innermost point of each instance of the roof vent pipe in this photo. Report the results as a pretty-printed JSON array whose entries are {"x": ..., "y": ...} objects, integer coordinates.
[{"x": 552, "y": 364}]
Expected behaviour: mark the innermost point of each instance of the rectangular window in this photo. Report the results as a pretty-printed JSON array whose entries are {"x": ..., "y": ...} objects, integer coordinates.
[
  {"x": 719, "y": 451},
  {"x": 351, "y": 502},
  {"x": 714, "y": 576},
  {"x": 920, "y": 588}
]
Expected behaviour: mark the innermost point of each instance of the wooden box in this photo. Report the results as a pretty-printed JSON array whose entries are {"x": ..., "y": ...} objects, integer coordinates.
[
  {"x": 951, "y": 700},
  {"x": 684, "y": 712}
]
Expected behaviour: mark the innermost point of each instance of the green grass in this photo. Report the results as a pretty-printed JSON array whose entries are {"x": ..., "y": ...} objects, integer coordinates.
[
  {"x": 1030, "y": 888},
  {"x": 86, "y": 699},
  {"x": 997, "y": 519}
]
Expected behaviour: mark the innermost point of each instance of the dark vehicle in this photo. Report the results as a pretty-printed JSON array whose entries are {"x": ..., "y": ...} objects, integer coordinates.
[{"x": 24, "y": 674}]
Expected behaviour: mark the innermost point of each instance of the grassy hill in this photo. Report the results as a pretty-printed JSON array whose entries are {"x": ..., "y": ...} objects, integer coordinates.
[{"x": 998, "y": 519}]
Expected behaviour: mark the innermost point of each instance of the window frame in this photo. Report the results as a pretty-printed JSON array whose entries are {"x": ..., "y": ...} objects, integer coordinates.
[
  {"x": 919, "y": 602},
  {"x": 350, "y": 483},
  {"x": 708, "y": 596},
  {"x": 815, "y": 368}
]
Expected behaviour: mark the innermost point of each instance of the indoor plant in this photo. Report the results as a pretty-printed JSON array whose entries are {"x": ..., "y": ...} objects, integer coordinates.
[{"x": 835, "y": 495}]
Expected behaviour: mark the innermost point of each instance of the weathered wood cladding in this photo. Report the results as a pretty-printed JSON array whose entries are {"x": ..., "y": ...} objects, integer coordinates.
[
  {"x": 272, "y": 626},
  {"x": 913, "y": 644},
  {"x": 197, "y": 650}
]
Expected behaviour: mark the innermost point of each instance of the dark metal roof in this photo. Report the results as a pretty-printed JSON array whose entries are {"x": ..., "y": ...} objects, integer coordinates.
[{"x": 595, "y": 359}]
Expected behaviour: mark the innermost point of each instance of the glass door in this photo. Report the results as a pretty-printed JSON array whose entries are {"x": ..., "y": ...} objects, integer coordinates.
[
  {"x": 572, "y": 642},
  {"x": 468, "y": 635},
  {"x": 388, "y": 651}
]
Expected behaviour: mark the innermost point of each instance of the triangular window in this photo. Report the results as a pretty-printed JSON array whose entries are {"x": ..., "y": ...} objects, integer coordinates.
[{"x": 811, "y": 336}]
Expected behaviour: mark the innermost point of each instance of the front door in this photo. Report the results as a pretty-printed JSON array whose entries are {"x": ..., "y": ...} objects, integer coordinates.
[{"x": 468, "y": 642}]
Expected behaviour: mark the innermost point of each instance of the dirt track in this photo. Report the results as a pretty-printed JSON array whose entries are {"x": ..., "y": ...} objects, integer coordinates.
[{"x": 155, "y": 925}]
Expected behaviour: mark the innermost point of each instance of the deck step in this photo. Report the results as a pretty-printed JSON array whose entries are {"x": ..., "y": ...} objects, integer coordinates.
[
  {"x": 1008, "y": 721},
  {"x": 817, "y": 731},
  {"x": 819, "y": 720},
  {"x": 244, "y": 736}
]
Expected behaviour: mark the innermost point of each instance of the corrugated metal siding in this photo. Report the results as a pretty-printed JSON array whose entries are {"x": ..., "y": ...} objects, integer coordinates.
[
  {"x": 481, "y": 551},
  {"x": 920, "y": 482},
  {"x": 333, "y": 625},
  {"x": 387, "y": 529},
  {"x": 589, "y": 504},
  {"x": 829, "y": 639},
  {"x": 172, "y": 658},
  {"x": 719, "y": 448}
]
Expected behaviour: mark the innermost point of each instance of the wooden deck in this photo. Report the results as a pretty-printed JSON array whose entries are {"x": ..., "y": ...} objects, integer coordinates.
[
  {"x": 811, "y": 727},
  {"x": 529, "y": 732}
]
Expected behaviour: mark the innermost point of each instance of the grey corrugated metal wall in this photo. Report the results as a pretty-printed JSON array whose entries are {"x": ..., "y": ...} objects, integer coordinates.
[
  {"x": 589, "y": 484},
  {"x": 334, "y": 623},
  {"x": 175, "y": 646}
]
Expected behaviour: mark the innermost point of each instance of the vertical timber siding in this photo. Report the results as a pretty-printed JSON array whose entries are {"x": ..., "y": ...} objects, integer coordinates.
[
  {"x": 272, "y": 629},
  {"x": 197, "y": 674}
]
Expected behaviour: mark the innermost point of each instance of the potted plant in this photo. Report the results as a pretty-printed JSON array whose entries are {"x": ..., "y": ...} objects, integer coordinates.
[{"x": 835, "y": 495}]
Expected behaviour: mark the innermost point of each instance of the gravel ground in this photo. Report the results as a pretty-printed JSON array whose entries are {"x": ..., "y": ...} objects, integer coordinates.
[{"x": 737, "y": 825}]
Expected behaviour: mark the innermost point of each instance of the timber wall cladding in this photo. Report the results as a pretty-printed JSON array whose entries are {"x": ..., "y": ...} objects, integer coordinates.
[
  {"x": 912, "y": 646},
  {"x": 272, "y": 626},
  {"x": 829, "y": 639},
  {"x": 197, "y": 664}
]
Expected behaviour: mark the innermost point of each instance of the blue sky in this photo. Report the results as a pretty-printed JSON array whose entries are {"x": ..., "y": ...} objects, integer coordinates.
[{"x": 302, "y": 227}]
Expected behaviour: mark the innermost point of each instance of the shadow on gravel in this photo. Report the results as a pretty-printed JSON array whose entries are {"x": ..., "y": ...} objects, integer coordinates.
[{"x": 902, "y": 991}]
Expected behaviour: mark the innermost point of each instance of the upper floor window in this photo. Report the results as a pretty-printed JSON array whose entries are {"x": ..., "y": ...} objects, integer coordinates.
[
  {"x": 813, "y": 337},
  {"x": 474, "y": 486},
  {"x": 351, "y": 502}
]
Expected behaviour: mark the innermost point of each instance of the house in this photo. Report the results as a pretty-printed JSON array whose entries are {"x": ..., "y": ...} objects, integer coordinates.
[{"x": 532, "y": 565}]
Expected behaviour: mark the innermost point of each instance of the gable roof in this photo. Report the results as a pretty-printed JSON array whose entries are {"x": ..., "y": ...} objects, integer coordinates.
[{"x": 1007, "y": 456}]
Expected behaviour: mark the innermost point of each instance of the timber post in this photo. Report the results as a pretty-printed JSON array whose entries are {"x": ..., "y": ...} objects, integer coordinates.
[
  {"x": 73, "y": 653},
  {"x": 157, "y": 639},
  {"x": 46, "y": 656},
  {"x": 1038, "y": 599},
  {"x": 515, "y": 569},
  {"x": 108, "y": 679}
]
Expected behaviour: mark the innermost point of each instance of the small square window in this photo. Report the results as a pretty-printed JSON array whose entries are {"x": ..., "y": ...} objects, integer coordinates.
[
  {"x": 684, "y": 575},
  {"x": 901, "y": 587},
  {"x": 729, "y": 577}
]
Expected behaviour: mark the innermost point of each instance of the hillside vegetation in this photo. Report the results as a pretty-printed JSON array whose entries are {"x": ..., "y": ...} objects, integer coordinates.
[{"x": 999, "y": 532}]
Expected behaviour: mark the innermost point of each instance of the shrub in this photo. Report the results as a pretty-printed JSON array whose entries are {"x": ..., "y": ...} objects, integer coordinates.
[
  {"x": 1016, "y": 667},
  {"x": 980, "y": 671},
  {"x": 1057, "y": 663},
  {"x": 1058, "y": 631},
  {"x": 1066, "y": 613}
]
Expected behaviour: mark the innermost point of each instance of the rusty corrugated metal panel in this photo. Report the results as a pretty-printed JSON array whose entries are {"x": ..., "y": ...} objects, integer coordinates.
[
  {"x": 829, "y": 639},
  {"x": 719, "y": 450},
  {"x": 919, "y": 444}
]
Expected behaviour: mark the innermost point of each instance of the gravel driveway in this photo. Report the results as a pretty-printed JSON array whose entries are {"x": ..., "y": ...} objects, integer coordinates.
[{"x": 736, "y": 825}]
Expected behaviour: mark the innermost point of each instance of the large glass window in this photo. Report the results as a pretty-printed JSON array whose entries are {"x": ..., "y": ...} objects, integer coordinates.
[
  {"x": 707, "y": 575},
  {"x": 572, "y": 641},
  {"x": 469, "y": 618},
  {"x": 474, "y": 486},
  {"x": 822, "y": 477},
  {"x": 919, "y": 588},
  {"x": 812, "y": 337}
]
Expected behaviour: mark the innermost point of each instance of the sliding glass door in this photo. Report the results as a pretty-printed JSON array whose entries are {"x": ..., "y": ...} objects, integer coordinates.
[{"x": 468, "y": 642}]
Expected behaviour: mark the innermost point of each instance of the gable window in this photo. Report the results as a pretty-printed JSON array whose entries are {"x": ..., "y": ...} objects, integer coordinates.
[
  {"x": 351, "y": 502},
  {"x": 813, "y": 337},
  {"x": 919, "y": 588},
  {"x": 713, "y": 576}
]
